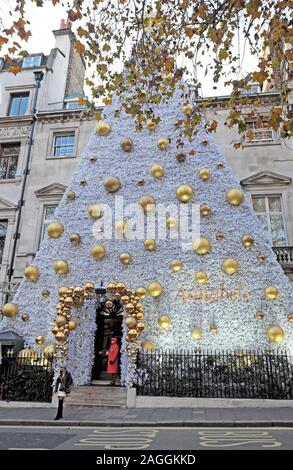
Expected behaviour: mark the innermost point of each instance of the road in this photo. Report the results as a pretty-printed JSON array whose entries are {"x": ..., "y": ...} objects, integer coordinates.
[{"x": 114, "y": 438}]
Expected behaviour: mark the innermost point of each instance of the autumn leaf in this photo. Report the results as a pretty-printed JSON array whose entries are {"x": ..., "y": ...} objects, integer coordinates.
[
  {"x": 223, "y": 54},
  {"x": 15, "y": 69},
  {"x": 237, "y": 145},
  {"x": 3, "y": 41},
  {"x": 79, "y": 47},
  {"x": 260, "y": 77},
  {"x": 213, "y": 126},
  {"x": 275, "y": 118}
]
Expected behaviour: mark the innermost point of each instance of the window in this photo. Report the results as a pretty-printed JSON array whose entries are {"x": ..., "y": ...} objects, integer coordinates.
[
  {"x": 48, "y": 217},
  {"x": 8, "y": 160},
  {"x": 31, "y": 61},
  {"x": 269, "y": 212},
  {"x": 72, "y": 105},
  {"x": 3, "y": 230},
  {"x": 64, "y": 145},
  {"x": 258, "y": 132},
  {"x": 251, "y": 89},
  {"x": 18, "y": 104}
]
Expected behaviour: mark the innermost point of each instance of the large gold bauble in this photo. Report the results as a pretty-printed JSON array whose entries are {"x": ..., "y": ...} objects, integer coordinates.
[
  {"x": 141, "y": 292},
  {"x": 184, "y": 193},
  {"x": 55, "y": 229},
  {"x": 275, "y": 334},
  {"x": 121, "y": 227},
  {"x": 95, "y": 212},
  {"x": 25, "y": 317},
  {"x": 260, "y": 315},
  {"x": 151, "y": 125},
  {"x": 103, "y": 128},
  {"x": 163, "y": 143},
  {"x": 10, "y": 310},
  {"x": 120, "y": 287},
  {"x": 164, "y": 321},
  {"x": 125, "y": 258},
  {"x": 98, "y": 251},
  {"x": 60, "y": 336},
  {"x": 196, "y": 333},
  {"x": 290, "y": 318},
  {"x": 72, "y": 325},
  {"x": 235, "y": 197},
  {"x": 204, "y": 174},
  {"x": 201, "y": 246},
  {"x": 219, "y": 236},
  {"x": 147, "y": 203},
  {"x": 63, "y": 291},
  {"x": 133, "y": 334},
  {"x": 126, "y": 145},
  {"x": 40, "y": 340},
  {"x": 157, "y": 170},
  {"x": 60, "y": 267},
  {"x": 187, "y": 109},
  {"x": 89, "y": 288},
  {"x": 112, "y": 184},
  {"x": 205, "y": 210},
  {"x": 60, "y": 320},
  {"x": 230, "y": 266},
  {"x": 201, "y": 277},
  {"x": 176, "y": 265},
  {"x": 70, "y": 195},
  {"x": 31, "y": 273},
  {"x": 155, "y": 289},
  {"x": 271, "y": 292},
  {"x": 181, "y": 156},
  {"x": 150, "y": 244},
  {"x": 111, "y": 286},
  {"x": 247, "y": 241},
  {"x": 148, "y": 346},
  {"x": 171, "y": 222},
  {"x": 130, "y": 322},
  {"x": 214, "y": 328},
  {"x": 45, "y": 293},
  {"x": 74, "y": 239},
  {"x": 49, "y": 350}
]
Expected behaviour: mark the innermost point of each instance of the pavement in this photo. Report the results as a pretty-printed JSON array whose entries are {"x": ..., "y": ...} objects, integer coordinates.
[{"x": 149, "y": 417}]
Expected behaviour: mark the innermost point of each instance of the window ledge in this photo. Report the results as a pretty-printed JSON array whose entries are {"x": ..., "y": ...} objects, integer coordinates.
[
  {"x": 15, "y": 180},
  {"x": 60, "y": 158},
  {"x": 259, "y": 144}
]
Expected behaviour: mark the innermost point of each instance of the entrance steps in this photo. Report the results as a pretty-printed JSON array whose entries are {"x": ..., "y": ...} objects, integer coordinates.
[{"x": 97, "y": 395}]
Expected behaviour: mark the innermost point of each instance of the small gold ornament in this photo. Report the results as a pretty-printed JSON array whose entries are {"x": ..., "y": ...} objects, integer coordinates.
[
  {"x": 151, "y": 125},
  {"x": 157, "y": 170},
  {"x": 181, "y": 157},
  {"x": 147, "y": 203},
  {"x": 213, "y": 328},
  {"x": 93, "y": 159},
  {"x": 55, "y": 229},
  {"x": 164, "y": 321},
  {"x": 150, "y": 244},
  {"x": 125, "y": 258},
  {"x": 130, "y": 322},
  {"x": 70, "y": 195},
  {"x": 83, "y": 182},
  {"x": 72, "y": 325},
  {"x": 235, "y": 197},
  {"x": 60, "y": 320},
  {"x": 205, "y": 210},
  {"x": 68, "y": 301},
  {"x": 261, "y": 258},
  {"x": 260, "y": 315},
  {"x": 220, "y": 165},
  {"x": 45, "y": 293},
  {"x": 247, "y": 241},
  {"x": 148, "y": 346},
  {"x": 98, "y": 251},
  {"x": 89, "y": 288},
  {"x": 126, "y": 145},
  {"x": 60, "y": 267},
  {"x": 201, "y": 246},
  {"x": 184, "y": 193},
  {"x": 187, "y": 109},
  {"x": 10, "y": 310},
  {"x": 290, "y": 318},
  {"x": 155, "y": 289},
  {"x": 196, "y": 333},
  {"x": 271, "y": 293},
  {"x": 25, "y": 317},
  {"x": 74, "y": 239},
  {"x": 201, "y": 277},
  {"x": 121, "y": 227},
  {"x": 275, "y": 334},
  {"x": 163, "y": 143},
  {"x": 230, "y": 266},
  {"x": 219, "y": 236},
  {"x": 130, "y": 307},
  {"x": 55, "y": 330},
  {"x": 112, "y": 184},
  {"x": 40, "y": 340},
  {"x": 63, "y": 291},
  {"x": 103, "y": 128},
  {"x": 31, "y": 273},
  {"x": 141, "y": 292},
  {"x": 171, "y": 222},
  {"x": 176, "y": 265},
  {"x": 139, "y": 316},
  {"x": 133, "y": 334},
  {"x": 95, "y": 212},
  {"x": 49, "y": 350},
  {"x": 140, "y": 182},
  {"x": 140, "y": 326},
  {"x": 204, "y": 174},
  {"x": 60, "y": 336},
  {"x": 78, "y": 291}
]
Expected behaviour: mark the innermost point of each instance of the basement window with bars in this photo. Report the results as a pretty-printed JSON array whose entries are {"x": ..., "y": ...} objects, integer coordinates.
[{"x": 9, "y": 154}]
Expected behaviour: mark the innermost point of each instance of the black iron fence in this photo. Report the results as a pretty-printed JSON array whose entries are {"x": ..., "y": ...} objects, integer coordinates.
[
  {"x": 215, "y": 374},
  {"x": 27, "y": 378}
]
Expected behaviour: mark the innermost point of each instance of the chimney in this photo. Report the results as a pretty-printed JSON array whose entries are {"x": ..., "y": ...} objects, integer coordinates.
[{"x": 65, "y": 24}]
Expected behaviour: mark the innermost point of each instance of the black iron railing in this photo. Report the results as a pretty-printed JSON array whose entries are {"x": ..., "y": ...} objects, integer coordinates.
[
  {"x": 215, "y": 374},
  {"x": 26, "y": 378},
  {"x": 284, "y": 254}
]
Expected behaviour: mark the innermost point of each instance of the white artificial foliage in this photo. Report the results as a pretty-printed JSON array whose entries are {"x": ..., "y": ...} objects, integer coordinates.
[{"x": 237, "y": 326}]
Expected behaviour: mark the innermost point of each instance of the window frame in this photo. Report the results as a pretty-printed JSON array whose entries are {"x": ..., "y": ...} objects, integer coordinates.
[
  {"x": 55, "y": 131},
  {"x": 55, "y": 146},
  {"x": 267, "y": 213},
  {"x": 10, "y": 144},
  {"x": 18, "y": 94},
  {"x": 39, "y": 56}
]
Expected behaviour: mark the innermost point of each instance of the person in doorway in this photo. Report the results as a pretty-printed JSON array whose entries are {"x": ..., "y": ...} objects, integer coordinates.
[
  {"x": 113, "y": 359},
  {"x": 62, "y": 388}
]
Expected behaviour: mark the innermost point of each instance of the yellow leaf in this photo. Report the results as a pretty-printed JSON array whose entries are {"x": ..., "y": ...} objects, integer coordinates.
[{"x": 15, "y": 69}]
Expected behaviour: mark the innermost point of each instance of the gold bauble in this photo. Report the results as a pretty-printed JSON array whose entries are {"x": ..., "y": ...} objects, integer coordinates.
[
  {"x": 121, "y": 227},
  {"x": 125, "y": 258},
  {"x": 129, "y": 307},
  {"x": 68, "y": 301},
  {"x": 55, "y": 229},
  {"x": 196, "y": 333},
  {"x": 147, "y": 203},
  {"x": 205, "y": 210},
  {"x": 157, "y": 170},
  {"x": 140, "y": 326},
  {"x": 55, "y": 330},
  {"x": 164, "y": 321},
  {"x": 98, "y": 251},
  {"x": 112, "y": 184},
  {"x": 60, "y": 267},
  {"x": 176, "y": 265},
  {"x": 89, "y": 288},
  {"x": 290, "y": 318},
  {"x": 181, "y": 156},
  {"x": 260, "y": 315},
  {"x": 10, "y": 310},
  {"x": 219, "y": 236},
  {"x": 150, "y": 244},
  {"x": 120, "y": 286},
  {"x": 139, "y": 315},
  {"x": 126, "y": 145},
  {"x": 60, "y": 320},
  {"x": 151, "y": 125},
  {"x": 141, "y": 292},
  {"x": 261, "y": 258},
  {"x": 201, "y": 246},
  {"x": 247, "y": 241},
  {"x": 63, "y": 291},
  {"x": 103, "y": 128},
  {"x": 204, "y": 174},
  {"x": 130, "y": 322},
  {"x": 49, "y": 350},
  {"x": 187, "y": 109},
  {"x": 271, "y": 292},
  {"x": 124, "y": 299},
  {"x": 95, "y": 212},
  {"x": 31, "y": 273},
  {"x": 155, "y": 289},
  {"x": 148, "y": 346},
  {"x": 78, "y": 290},
  {"x": 40, "y": 339},
  {"x": 275, "y": 334},
  {"x": 140, "y": 182},
  {"x": 235, "y": 196},
  {"x": 184, "y": 193},
  {"x": 70, "y": 195},
  {"x": 60, "y": 336},
  {"x": 163, "y": 143},
  {"x": 74, "y": 239},
  {"x": 201, "y": 277},
  {"x": 213, "y": 328},
  {"x": 25, "y": 317},
  {"x": 111, "y": 286},
  {"x": 230, "y": 266},
  {"x": 72, "y": 325},
  {"x": 133, "y": 334},
  {"x": 45, "y": 293},
  {"x": 83, "y": 182},
  {"x": 171, "y": 222}
]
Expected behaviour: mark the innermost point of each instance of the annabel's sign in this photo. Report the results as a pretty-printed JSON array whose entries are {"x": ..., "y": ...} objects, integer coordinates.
[{"x": 221, "y": 294}]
